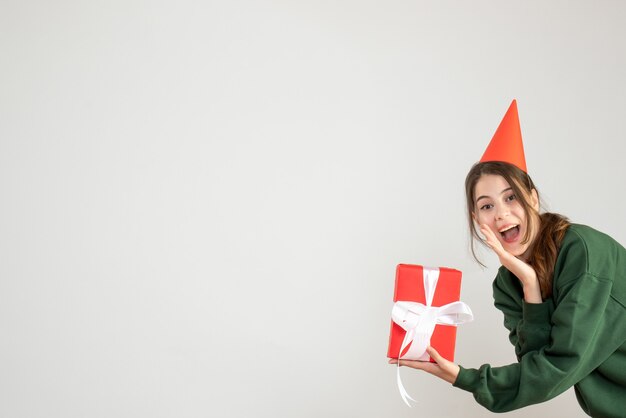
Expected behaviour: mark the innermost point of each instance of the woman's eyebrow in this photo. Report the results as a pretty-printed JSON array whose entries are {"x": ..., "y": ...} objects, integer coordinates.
[{"x": 486, "y": 197}]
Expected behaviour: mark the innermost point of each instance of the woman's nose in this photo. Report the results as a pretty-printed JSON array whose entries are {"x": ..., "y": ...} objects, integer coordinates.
[{"x": 501, "y": 212}]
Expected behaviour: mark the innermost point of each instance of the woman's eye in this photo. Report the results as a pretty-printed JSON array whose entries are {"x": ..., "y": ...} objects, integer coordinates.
[
  {"x": 486, "y": 207},
  {"x": 512, "y": 197}
]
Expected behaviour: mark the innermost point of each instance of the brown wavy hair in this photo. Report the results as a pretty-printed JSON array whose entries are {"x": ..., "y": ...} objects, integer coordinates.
[{"x": 551, "y": 226}]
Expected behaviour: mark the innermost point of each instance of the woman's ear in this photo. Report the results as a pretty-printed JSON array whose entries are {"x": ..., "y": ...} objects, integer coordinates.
[{"x": 534, "y": 199}]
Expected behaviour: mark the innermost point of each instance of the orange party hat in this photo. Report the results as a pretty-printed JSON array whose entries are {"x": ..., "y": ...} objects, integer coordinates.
[{"x": 506, "y": 144}]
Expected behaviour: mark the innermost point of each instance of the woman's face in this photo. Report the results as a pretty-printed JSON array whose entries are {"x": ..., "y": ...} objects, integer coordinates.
[{"x": 496, "y": 206}]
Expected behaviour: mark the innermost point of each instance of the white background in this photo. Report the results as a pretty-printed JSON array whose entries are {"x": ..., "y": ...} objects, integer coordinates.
[{"x": 203, "y": 203}]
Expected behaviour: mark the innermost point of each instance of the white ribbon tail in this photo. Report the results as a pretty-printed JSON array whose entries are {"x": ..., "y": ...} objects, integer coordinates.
[{"x": 405, "y": 395}]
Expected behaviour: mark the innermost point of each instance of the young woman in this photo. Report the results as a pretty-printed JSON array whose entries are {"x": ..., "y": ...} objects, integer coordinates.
[{"x": 561, "y": 288}]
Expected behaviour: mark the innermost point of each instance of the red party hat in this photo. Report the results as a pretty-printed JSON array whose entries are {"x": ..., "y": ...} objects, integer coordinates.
[{"x": 506, "y": 144}]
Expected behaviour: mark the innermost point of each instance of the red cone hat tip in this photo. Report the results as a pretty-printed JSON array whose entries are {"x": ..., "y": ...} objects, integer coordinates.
[{"x": 506, "y": 144}]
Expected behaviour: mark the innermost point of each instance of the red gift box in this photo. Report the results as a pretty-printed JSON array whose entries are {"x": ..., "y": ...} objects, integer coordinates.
[{"x": 410, "y": 287}]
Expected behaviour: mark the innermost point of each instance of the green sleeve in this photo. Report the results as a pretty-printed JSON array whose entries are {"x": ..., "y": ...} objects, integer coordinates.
[
  {"x": 583, "y": 335},
  {"x": 528, "y": 323}
]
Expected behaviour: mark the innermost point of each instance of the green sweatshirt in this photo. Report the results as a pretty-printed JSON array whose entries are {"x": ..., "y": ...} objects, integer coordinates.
[{"x": 577, "y": 337}]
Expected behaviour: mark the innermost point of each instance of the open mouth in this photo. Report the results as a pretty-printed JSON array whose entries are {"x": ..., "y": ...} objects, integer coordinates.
[{"x": 510, "y": 233}]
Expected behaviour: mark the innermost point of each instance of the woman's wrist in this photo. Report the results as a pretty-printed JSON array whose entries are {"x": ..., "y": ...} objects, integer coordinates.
[
  {"x": 524, "y": 272},
  {"x": 532, "y": 292},
  {"x": 518, "y": 268}
]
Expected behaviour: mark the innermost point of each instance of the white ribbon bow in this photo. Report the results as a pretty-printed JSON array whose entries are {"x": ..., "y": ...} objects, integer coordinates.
[{"x": 419, "y": 320}]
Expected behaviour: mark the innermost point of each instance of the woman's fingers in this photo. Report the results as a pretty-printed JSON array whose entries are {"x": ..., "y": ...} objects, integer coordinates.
[
  {"x": 446, "y": 369},
  {"x": 492, "y": 240},
  {"x": 489, "y": 235},
  {"x": 434, "y": 354},
  {"x": 443, "y": 368},
  {"x": 415, "y": 364},
  {"x": 426, "y": 366}
]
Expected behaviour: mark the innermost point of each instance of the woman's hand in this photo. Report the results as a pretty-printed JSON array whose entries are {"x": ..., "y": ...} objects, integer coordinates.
[
  {"x": 443, "y": 368},
  {"x": 523, "y": 271},
  {"x": 493, "y": 243}
]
